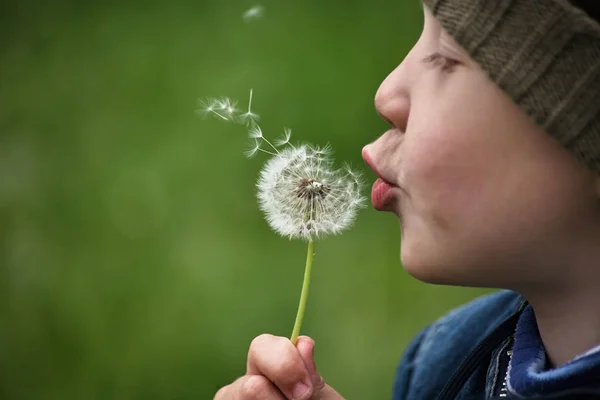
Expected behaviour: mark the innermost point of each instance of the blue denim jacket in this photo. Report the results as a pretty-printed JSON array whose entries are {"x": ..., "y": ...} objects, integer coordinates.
[{"x": 460, "y": 355}]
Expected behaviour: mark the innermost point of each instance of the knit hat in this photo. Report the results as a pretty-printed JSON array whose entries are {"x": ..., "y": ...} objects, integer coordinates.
[{"x": 545, "y": 54}]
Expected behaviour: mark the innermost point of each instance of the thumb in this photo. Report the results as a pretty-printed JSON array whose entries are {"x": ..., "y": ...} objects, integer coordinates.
[
  {"x": 306, "y": 348},
  {"x": 322, "y": 391}
]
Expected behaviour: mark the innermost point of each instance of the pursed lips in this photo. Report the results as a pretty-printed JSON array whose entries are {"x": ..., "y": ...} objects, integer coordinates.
[{"x": 369, "y": 161}]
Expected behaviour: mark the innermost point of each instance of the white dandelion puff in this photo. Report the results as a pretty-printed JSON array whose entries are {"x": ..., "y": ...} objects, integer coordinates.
[
  {"x": 324, "y": 151},
  {"x": 303, "y": 196},
  {"x": 253, "y": 13},
  {"x": 353, "y": 174}
]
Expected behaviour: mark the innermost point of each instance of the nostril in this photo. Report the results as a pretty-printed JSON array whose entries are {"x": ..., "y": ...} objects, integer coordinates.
[
  {"x": 388, "y": 110},
  {"x": 393, "y": 105},
  {"x": 396, "y": 113},
  {"x": 389, "y": 121},
  {"x": 382, "y": 102}
]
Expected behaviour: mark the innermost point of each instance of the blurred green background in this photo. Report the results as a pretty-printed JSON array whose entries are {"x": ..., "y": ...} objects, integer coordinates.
[{"x": 135, "y": 263}]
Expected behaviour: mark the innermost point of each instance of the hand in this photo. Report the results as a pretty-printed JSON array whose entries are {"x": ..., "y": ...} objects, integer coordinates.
[{"x": 278, "y": 370}]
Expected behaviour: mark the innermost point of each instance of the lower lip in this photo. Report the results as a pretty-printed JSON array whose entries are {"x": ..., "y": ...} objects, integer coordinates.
[{"x": 381, "y": 194}]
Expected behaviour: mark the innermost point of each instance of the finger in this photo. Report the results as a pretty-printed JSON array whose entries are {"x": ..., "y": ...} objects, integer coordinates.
[
  {"x": 306, "y": 349},
  {"x": 321, "y": 391},
  {"x": 258, "y": 387},
  {"x": 278, "y": 359},
  {"x": 250, "y": 387},
  {"x": 224, "y": 393}
]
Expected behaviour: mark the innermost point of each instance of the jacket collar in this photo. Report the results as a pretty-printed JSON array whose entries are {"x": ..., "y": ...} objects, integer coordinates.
[{"x": 527, "y": 372}]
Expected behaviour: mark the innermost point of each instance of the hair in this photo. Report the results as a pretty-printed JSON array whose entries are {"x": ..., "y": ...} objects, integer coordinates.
[{"x": 591, "y": 7}]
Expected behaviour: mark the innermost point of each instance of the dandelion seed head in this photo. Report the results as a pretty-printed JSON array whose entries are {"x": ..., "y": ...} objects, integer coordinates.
[{"x": 305, "y": 197}]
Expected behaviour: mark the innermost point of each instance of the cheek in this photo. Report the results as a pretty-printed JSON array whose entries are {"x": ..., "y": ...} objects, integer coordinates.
[
  {"x": 444, "y": 174},
  {"x": 455, "y": 161},
  {"x": 447, "y": 214}
]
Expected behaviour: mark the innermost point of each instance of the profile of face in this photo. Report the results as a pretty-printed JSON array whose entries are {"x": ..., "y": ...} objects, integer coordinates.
[{"x": 484, "y": 197}]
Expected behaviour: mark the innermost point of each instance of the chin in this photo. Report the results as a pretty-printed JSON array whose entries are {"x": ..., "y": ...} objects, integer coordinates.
[
  {"x": 418, "y": 265},
  {"x": 427, "y": 274},
  {"x": 425, "y": 266}
]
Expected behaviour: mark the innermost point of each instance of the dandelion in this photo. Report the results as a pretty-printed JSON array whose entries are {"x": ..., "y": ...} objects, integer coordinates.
[
  {"x": 301, "y": 192},
  {"x": 304, "y": 197},
  {"x": 253, "y": 13}
]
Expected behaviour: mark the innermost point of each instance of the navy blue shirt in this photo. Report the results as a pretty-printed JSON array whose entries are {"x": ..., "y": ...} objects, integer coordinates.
[{"x": 482, "y": 333}]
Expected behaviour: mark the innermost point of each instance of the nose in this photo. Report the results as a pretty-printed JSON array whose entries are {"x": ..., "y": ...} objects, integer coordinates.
[{"x": 392, "y": 100}]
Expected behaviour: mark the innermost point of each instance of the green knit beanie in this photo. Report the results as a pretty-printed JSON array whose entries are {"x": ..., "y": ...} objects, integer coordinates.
[{"x": 545, "y": 54}]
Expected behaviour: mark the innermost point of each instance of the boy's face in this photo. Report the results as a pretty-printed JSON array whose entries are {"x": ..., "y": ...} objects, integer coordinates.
[{"x": 483, "y": 195}]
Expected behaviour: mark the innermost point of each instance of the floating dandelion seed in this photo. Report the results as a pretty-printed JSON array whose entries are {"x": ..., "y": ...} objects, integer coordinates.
[
  {"x": 300, "y": 191},
  {"x": 254, "y": 148},
  {"x": 221, "y": 108},
  {"x": 227, "y": 107},
  {"x": 253, "y": 13},
  {"x": 213, "y": 107},
  {"x": 285, "y": 138},
  {"x": 249, "y": 118},
  {"x": 255, "y": 132}
]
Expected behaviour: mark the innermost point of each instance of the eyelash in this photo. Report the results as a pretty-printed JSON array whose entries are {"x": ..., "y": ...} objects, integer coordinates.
[{"x": 445, "y": 63}]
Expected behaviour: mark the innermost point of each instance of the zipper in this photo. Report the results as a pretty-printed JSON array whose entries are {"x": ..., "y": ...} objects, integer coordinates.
[
  {"x": 475, "y": 357},
  {"x": 504, "y": 388}
]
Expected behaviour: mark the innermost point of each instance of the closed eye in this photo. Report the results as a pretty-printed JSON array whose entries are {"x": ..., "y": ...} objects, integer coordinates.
[{"x": 445, "y": 63}]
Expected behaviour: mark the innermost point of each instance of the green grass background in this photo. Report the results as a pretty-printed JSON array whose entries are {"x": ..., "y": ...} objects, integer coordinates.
[{"x": 135, "y": 263}]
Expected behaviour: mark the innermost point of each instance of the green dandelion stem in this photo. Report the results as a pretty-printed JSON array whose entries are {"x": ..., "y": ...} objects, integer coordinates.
[{"x": 304, "y": 293}]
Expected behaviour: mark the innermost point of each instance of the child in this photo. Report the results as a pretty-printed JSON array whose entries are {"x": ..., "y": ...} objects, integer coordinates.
[{"x": 492, "y": 164}]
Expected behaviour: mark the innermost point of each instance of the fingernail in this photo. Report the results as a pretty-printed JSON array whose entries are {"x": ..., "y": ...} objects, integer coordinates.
[{"x": 300, "y": 391}]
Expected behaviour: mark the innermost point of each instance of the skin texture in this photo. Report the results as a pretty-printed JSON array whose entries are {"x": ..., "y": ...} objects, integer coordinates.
[
  {"x": 278, "y": 370},
  {"x": 485, "y": 198},
  {"x": 485, "y": 192}
]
